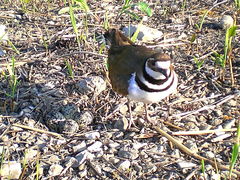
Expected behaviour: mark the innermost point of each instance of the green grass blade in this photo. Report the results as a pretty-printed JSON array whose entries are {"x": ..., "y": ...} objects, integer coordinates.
[
  {"x": 135, "y": 35},
  {"x": 144, "y": 7},
  {"x": 69, "y": 68},
  {"x": 13, "y": 47},
  {"x": 235, "y": 151},
  {"x": 83, "y": 4},
  {"x": 202, "y": 20}
]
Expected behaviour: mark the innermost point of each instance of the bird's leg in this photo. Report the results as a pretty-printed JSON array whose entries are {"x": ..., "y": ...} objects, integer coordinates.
[
  {"x": 146, "y": 113},
  {"x": 130, "y": 113}
]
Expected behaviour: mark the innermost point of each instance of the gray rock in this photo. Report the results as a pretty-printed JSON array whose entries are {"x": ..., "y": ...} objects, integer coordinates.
[
  {"x": 3, "y": 33},
  {"x": 54, "y": 158},
  {"x": 121, "y": 124},
  {"x": 149, "y": 168},
  {"x": 138, "y": 145},
  {"x": 30, "y": 154},
  {"x": 190, "y": 118},
  {"x": 114, "y": 160},
  {"x": 94, "y": 84},
  {"x": 118, "y": 135},
  {"x": 137, "y": 167},
  {"x": 83, "y": 173},
  {"x": 146, "y": 34},
  {"x": 210, "y": 154},
  {"x": 82, "y": 156},
  {"x": 2, "y": 52},
  {"x": 232, "y": 103},
  {"x": 192, "y": 146},
  {"x": 128, "y": 154},
  {"x": 114, "y": 145}
]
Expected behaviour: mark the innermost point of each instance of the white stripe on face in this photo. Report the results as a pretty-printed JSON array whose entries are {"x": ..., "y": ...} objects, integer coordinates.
[
  {"x": 163, "y": 64},
  {"x": 154, "y": 74},
  {"x": 158, "y": 64},
  {"x": 155, "y": 86}
]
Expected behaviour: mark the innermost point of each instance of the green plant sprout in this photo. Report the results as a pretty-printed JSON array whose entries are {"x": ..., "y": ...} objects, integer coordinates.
[
  {"x": 203, "y": 167},
  {"x": 128, "y": 5},
  {"x": 2, "y": 158},
  {"x": 13, "y": 47},
  {"x": 13, "y": 82},
  {"x": 74, "y": 24},
  {"x": 69, "y": 68},
  {"x": 106, "y": 22},
  {"x": 198, "y": 62},
  {"x": 237, "y": 4},
  {"x": 221, "y": 59},
  {"x": 199, "y": 27},
  {"x": 135, "y": 35},
  {"x": 37, "y": 168},
  {"x": 235, "y": 151},
  {"x": 76, "y": 5}
]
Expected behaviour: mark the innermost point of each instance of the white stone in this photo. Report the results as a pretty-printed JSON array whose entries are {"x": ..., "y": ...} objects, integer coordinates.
[
  {"x": 185, "y": 164},
  {"x": 3, "y": 33},
  {"x": 80, "y": 147},
  {"x": 125, "y": 165},
  {"x": 11, "y": 170},
  {"x": 92, "y": 135},
  {"x": 95, "y": 147},
  {"x": 226, "y": 21},
  {"x": 55, "y": 170},
  {"x": 146, "y": 34}
]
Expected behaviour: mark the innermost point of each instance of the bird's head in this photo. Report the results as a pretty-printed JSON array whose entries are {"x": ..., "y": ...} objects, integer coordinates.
[{"x": 158, "y": 66}]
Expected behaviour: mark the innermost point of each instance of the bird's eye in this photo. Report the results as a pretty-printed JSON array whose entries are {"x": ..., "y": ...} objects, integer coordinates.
[{"x": 153, "y": 63}]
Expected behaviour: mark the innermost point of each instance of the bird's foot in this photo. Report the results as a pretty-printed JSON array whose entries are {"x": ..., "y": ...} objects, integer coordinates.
[
  {"x": 131, "y": 122},
  {"x": 150, "y": 120}
]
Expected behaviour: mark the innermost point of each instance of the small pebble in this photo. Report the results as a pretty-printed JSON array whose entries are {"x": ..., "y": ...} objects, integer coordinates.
[
  {"x": 92, "y": 135},
  {"x": 125, "y": 165},
  {"x": 185, "y": 164},
  {"x": 11, "y": 170},
  {"x": 94, "y": 84},
  {"x": 95, "y": 147},
  {"x": 121, "y": 124},
  {"x": 55, "y": 170},
  {"x": 226, "y": 21}
]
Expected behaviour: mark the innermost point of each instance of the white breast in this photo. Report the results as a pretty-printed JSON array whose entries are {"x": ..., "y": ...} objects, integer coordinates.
[{"x": 137, "y": 94}]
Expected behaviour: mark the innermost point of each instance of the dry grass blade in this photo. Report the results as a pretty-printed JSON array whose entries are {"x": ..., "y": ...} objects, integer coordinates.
[
  {"x": 37, "y": 130},
  {"x": 195, "y": 155},
  {"x": 204, "y": 132}
]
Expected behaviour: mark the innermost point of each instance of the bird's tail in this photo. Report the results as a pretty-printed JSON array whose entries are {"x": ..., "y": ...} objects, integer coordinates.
[{"x": 115, "y": 38}]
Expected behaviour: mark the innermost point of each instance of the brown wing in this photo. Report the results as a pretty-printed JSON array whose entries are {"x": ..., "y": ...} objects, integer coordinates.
[{"x": 123, "y": 61}]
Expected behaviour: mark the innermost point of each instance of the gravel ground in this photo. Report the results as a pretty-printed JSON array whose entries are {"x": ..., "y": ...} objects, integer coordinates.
[{"x": 60, "y": 127}]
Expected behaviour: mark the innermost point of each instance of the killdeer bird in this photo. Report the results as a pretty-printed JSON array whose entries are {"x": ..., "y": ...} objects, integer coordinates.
[{"x": 140, "y": 73}]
